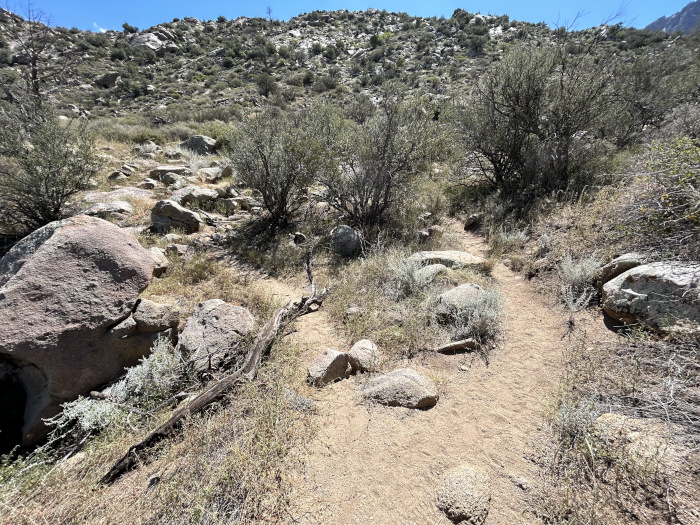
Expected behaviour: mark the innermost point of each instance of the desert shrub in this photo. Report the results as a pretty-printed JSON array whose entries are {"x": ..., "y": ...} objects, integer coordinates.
[
  {"x": 279, "y": 155},
  {"x": 504, "y": 240},
  {"x": 578, "y": 278},
  {"x": 43, "y": 165},
  {"x": 408, "y": 277},
  {"x": 380, "y": 158},
  {"x": 480, "y": 318},
  {"x": 143, "y": 388}
]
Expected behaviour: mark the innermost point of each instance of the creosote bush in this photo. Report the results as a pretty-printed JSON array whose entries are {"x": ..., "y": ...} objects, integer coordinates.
[{"x": 43, "y": 164}]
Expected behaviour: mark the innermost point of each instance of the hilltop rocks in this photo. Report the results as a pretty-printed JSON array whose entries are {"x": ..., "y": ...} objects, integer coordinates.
[
  {"x": 212, "y": 332},
  {"x": 346, "y": 241},
  {"x": 465, "y": 496},
  {"x": 402, "y": 387},
  {"x": 663, "y": 295},
  {"x": 62, "y": 290},
  {"x": 328, "y": 366},
  {"x": 199, "y": 144},
  {"x": 451, "y": 259},
  {"x": 168, "y": 214}
]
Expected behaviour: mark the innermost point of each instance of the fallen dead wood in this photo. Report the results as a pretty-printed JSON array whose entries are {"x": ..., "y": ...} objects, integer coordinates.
[
  {"x": 281, "y": 318},
  {"x": 457, "y": 346}
]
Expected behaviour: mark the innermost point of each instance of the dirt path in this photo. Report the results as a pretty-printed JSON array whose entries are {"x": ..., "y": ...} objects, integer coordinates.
[{"x": 383, "y": 465}]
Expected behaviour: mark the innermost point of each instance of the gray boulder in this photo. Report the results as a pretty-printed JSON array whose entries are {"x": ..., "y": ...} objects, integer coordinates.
[
  {"x": 148, "y": 184},
  {"x": 328, "y": 366},
  {"x": 108, "y": 80},
  {"x": 619, "y": 265},
  {"x": 664, "y": 296},
  {"x": 118, "y": 210},
  {"x": 402, "y": 387},
  {"x": 118, "y": 194},
  {"x": 456, "y": 300},
  {"x": 194, "y": 195},
  {"x": 464, "y": 495},
  {"x": 152, "y": 317},
  {"x": 364, "y": 356},
  {"x": 168, "y": 214},
  {"x": 449, "y": 258},
  {"x": 211, "y": 334},
  {"x": 62, "y": 290},
  {"x": 200, "y": 144},
  {"x": 346, "y": 241}
]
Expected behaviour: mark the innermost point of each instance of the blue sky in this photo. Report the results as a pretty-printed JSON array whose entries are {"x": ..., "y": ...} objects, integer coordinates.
[{"x": 95, "y": 14}]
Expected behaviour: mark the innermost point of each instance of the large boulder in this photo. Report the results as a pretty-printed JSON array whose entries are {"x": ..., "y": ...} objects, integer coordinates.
[
  {"x": 194, "y": 195},
  {"x": 63, "y": 291},
  {"x": 449, "y": 258},
  {"x": 346, "y": 241},
  {"x": 664, "y": 296},
  {"x": 211, "y": 334},
  {"x": 200, "y": 144},
  {"x": 328, "y": 366},
  {"x": 402, "y": 387},
  {"x": 167, "y": 215},
  {"x": 619, "y": 265},
  {"x": 464, "y": 495}
]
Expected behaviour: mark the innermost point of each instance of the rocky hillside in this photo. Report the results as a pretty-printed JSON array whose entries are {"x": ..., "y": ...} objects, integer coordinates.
[
  {"x": 687, "y": 20},
  {"x": 201, "y": 70}
]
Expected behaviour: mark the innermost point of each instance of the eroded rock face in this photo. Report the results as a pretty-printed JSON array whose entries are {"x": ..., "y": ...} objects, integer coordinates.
[
  {"x": 211, "y": 333},
  {"x": 402, "y": 387},
  {"x": 619, "y": 265},
  {"x": 464, "y": 495},
  {"x": 663, "y": 295},
  {"x": 63, "y": 290}
]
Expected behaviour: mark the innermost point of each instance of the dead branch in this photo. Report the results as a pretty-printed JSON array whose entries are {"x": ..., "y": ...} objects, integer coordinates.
[{"x": 280, "y": 319}]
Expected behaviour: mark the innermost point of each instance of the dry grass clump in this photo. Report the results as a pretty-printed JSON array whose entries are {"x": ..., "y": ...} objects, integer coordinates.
[
  {"x": 594, "y": 476},
  {"x": 392, "y": 302},
  {"x": 232, "y": 465}
]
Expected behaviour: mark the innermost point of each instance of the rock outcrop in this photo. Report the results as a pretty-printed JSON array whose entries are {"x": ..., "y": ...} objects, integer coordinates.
[
  {"x": 664, "y": 296},
  {"x": 64, "y": 291},
  {"x": 200, "y": 144}
]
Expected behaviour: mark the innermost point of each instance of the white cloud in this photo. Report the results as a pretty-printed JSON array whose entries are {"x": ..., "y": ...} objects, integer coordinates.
[{"x": 100, "y": 29}]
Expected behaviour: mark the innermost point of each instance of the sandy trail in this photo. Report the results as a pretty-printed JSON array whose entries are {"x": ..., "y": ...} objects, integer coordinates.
[{"x": 383, "y": 465}]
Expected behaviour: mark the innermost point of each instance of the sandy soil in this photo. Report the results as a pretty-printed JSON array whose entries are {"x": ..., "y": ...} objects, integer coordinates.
[{"x": 383, "y": 465}]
